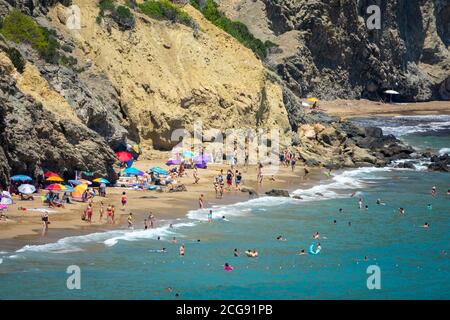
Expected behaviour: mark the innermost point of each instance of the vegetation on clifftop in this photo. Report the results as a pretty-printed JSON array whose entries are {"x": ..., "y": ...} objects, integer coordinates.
[
  {"x": 238, "y": 30},
  {"x": 164, "y": 9},
  {"x": 122, "y": 15},
  {"x": 20, "y": 28}
]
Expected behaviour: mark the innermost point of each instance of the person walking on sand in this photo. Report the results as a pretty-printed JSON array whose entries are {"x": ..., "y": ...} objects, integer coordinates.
[
  {"x": 238, "y": 180},
  {"x": 201, "y": 202},
  {"x": 293, "y": 162},
  {"x": 113, "y": 213},
  {"x": 195, "y": 174},
  {"x": 123, "y": 199},
  {"x": 109, "y": 214},
  {"x": 229, "y": 180},
  {"x": 260, "y": 176},
  {"x": 101, "y": 210},
  {"x": 45, "y": 221},
  {"x": 89, "y": 211},
  {"x": 130, "y": 221}
]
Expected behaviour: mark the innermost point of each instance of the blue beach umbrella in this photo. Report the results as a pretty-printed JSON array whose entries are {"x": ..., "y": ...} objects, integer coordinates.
[
  {"x": 21, "y": 177},
  {"x": 101, "y": 180},
  {"x": 69, "y": 188},
  {"x": 133, "y": 171},
  {"x": 75, "y": 182},
  {"x": 188, "y": 154},
  {"x": 159, "y": 170}
]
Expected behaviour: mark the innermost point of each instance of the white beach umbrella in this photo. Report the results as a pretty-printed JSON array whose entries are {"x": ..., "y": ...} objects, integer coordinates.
[
  {"x": 27, "y": 189},
  {"x": 391, "y": 93},
  {"x": 307, "y": 105}
]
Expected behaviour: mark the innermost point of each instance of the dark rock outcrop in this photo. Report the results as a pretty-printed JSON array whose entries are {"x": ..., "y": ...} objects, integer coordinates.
[
  {"x": 440, "y": 163},
  {"x": 337, "y": 56},
  {"x": 278, "y": 193},
  {"x": 33, "y": 139}
]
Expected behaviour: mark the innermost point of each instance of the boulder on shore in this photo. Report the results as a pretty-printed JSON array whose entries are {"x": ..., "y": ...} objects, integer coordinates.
[{"x": 278, "y": 193}]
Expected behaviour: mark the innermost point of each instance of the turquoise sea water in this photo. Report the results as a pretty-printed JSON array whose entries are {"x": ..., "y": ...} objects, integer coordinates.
[{"x": 121, "y": 264}]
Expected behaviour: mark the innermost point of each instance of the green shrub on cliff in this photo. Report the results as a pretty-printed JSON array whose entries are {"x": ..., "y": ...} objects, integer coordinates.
[
  {"x": 165, "y": 9},
  {"x": 122, "y": 15},
  {"x": 20, "y": 28},
  {"x": 16, "y": 58},
  {"x": 238, "y": 30}
]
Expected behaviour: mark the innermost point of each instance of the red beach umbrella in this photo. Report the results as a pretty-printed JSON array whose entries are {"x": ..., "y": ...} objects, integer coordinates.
[
  {"x": 124, "y": 156},
  {"x": 49, "y": 174}
]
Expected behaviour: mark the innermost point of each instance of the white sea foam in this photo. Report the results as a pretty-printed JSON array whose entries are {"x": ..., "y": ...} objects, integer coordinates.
[
  {"x": 444, "y": 151},
  {"x": 416, "y": 124},
  {"x": 238, "y": 209},
  {"x": 341, "y": 184}
]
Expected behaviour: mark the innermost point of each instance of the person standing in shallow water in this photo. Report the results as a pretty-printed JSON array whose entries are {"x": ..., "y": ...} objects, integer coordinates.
[{"x": 201, "y": 201}]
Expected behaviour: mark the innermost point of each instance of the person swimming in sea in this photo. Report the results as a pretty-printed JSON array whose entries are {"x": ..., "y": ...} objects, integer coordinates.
[
  {"x": 251, "y": 253},
  {"x": 280, "y": 238},
  {"x": 334, "y": 222},
  {"x": 429, "y": 206},
  {"x": 316, "y": 236},
  {"x": 227, "y": 267},
  {"x": 401, "y": 211},
  {"x": 163, "y": 250},
  {"x": 236, "y": 253},
  {"x": 379, "y": 202},
  {"x": 341, "y": 210},
  {"x": 426, "y": 225},
  {"x": 302, "y": 252}
]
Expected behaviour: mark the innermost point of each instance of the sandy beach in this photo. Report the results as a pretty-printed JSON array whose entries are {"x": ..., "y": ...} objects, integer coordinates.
[
  {"x": 362, "y": 108},
  {"x": 25, "y": 227}
]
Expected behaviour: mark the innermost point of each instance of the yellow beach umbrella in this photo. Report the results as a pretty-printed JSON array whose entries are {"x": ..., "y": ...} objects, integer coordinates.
[
  {"x": 313, "y": 99},
  {"x": 55, "y": 179}
]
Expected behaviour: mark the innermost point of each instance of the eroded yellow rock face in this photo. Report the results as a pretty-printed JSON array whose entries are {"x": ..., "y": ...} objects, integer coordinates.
[
  {"x": 31, "y": 82},
  {"x": 168, "y": 77}
]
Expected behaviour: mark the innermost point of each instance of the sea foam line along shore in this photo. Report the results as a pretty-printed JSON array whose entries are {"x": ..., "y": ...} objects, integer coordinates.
[{"x": 346, "y": 181}]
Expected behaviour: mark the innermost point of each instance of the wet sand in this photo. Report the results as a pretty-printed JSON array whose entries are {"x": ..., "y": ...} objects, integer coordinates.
[
  {"x": 364, "y": 108},
  {"x": 25, "y": 227}
]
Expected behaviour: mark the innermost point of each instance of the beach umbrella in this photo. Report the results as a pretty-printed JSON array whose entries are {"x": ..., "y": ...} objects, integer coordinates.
[
  {"x": 56, "y": 187},
  {"x": 312, "y": 99},
  {"x": 75, "y": 182},
  {"x": 306, "y": 105},
  {"x": 159, "y": 170},
  {"x": 391, "y": 93},
  {"x": 27, "y": 188},
  {"x": 101, "y": 180},
  {"x": 83, "y": 181},
  {"x": 69, "y": 188},
  {"x": 21, "y": 177},
  {"x": 124, "y": 156},
  {"x": 133, "y": 171},
  {"x": 49, "y": 174},
  {"x": 188, "y": 154},
  {"x": 80, "y": 188},
  {"x": 55, "y": 179}
]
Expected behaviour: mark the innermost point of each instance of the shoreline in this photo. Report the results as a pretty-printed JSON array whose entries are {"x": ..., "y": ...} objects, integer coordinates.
[
  {"x": 347, "y": 109},
  {"x": 26, "y": 229}
]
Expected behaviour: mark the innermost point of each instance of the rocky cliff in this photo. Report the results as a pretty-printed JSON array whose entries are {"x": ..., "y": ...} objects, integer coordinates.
[
  {"x": 326, "y": 50},
  {"x": 35, "y": 136},
  {"x": 93, "y": 89}
]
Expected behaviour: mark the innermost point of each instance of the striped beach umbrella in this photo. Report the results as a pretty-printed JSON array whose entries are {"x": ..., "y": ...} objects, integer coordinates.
[{"x": 56, "y": 187}]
